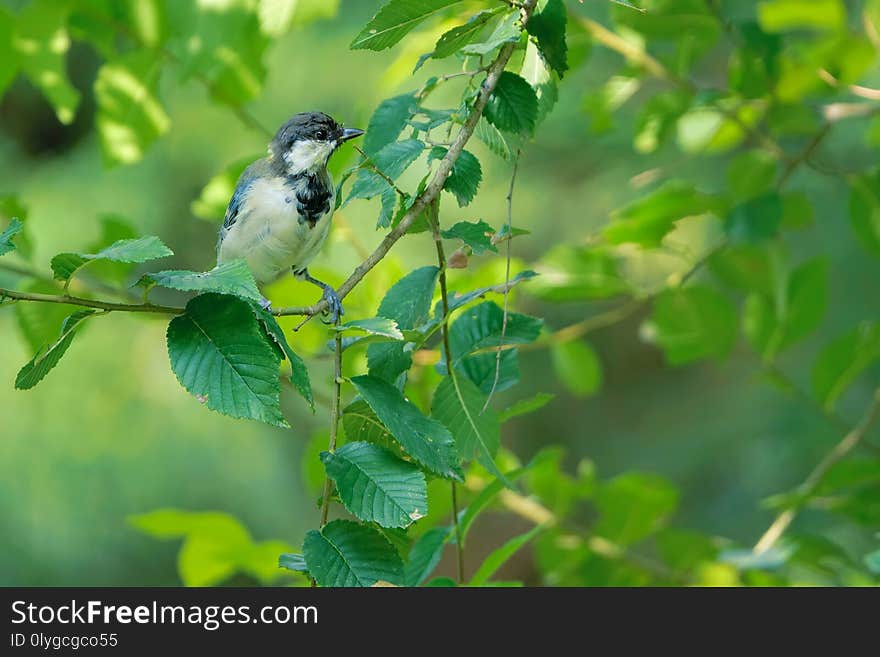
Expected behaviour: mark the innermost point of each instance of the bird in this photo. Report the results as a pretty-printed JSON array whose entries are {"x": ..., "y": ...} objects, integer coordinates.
[{"x": 280, "y": 212}]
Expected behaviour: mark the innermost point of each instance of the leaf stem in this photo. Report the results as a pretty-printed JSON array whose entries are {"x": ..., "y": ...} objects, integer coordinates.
[{"x": 334, "y": 421}]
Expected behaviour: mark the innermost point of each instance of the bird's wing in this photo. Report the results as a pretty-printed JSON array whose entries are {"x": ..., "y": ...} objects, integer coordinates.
[{"x": 247, "y": 178}]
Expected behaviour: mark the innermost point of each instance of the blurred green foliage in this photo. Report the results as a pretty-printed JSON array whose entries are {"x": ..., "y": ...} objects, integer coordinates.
[{"x": 702, "y": 205}]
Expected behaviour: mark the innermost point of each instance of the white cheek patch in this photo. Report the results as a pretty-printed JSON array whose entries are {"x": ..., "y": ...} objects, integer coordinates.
[{"x": 308, "y": 156}]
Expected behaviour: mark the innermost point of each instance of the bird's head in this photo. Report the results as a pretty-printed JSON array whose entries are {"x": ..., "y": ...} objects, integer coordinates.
[{"x": 306, "y": 142}]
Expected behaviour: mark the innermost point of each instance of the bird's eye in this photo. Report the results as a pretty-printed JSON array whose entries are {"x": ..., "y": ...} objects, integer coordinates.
[{"x": 321, "y": 134}]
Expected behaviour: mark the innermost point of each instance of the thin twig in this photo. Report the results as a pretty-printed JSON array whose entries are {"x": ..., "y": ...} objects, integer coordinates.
[
  {"x": 506, "y": 280},
  {"x": 814, "y": 480},
  {"x": 334, "y": 421},
  {"x": 375, "y": 168},
  {"x": 90, "y": 303}
]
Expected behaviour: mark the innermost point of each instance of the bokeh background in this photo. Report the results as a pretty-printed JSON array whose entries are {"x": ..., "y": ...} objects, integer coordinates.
[{"x": 110, "y": 433}]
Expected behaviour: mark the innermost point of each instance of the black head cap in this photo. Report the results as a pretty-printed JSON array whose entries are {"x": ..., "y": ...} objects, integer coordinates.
[{"x": 315, "y": 126}]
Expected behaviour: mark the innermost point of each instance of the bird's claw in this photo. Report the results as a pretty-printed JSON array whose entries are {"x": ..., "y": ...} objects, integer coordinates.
[{"x": 334, "y": 304}]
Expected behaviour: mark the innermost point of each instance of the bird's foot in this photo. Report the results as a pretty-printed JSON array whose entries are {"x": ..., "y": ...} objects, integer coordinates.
[
  {"x": 334, "y": 304},
  {"x": 265, "y": 304}
]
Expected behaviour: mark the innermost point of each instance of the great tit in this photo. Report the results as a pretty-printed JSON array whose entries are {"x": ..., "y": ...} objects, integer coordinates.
[{"x": 279, "y": 215}]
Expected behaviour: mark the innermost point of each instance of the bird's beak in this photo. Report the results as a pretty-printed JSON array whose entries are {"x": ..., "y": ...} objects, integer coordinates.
[{"x": 350, "y": 133}]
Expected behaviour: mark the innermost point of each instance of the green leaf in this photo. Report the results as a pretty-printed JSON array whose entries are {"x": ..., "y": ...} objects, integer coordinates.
[
  {"x": 345, "y": 554},
  {"x": 507, "y": 31},
  {"x": 376, "y": 486},
  {"x": 484, "y": 499},
  {"x": 492, "y": 137},
  {"x": 548, "y": 28},
  {"x": 131, "y": 251},
  {"x": 388, "y": 121},
  {"x": 458, "y": 403},
  {"x": 648, "y": 220},
  {"x": 6, "y": 245},
  {"x": 864, "y": 211},
  {"x": 480, "y": 327},
  {"x": 8, "y": 54},
  {"x": 872, "y": 561},
  {"x": 785, "y": 15},
  {"x": 220, "y": 355},
  {"x": 578, "y": 367},
  {"x": 395, "y": 20},
  {"x": 692, "y": 324},
  {"x": 41, "y": 43},
  {"x": 502, "y": 555},
  {"x": 299, "y": 373},
  {"x": 537, "y": 73},
  {"x": 513, "y": 105},
  {"x": 842, "y": 360},
  {"x": 755, "y": 220},
  {"x": 233, "y": 277},
  {"x": 633, "y": 506},
  {"x": 797, "y": 310},
  {"x": 477, "y": 235},
  {"x": 377, "y": 326},
  {"x": 465, "y": 177},
  {"x": 215, "y": 195},
  {"x": 392, "y": 160},
  {"x": 751, "y": 174},
  {"x": 361, "y": 423},
  {"x": 425, "y": 439},
  {"x": 525, "y": 406},
  {"x": 389, "y": 203},
  {"x": 130, "y": 117},
  {"x": 450, "y": 42},
  {"x": 43, "y": 362},
  {"x": 408, "y": 302},
  {"x": 295, "y": 562},
  {"x": 425, "y": 555},
  {"x": 573, "y": 273}
]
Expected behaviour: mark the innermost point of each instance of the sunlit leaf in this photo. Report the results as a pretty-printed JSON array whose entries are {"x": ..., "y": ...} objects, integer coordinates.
[
  {"x": 395, "y": 20},
  {"x": 578, "y": 367},
  {"x": 232, "y": 277}
]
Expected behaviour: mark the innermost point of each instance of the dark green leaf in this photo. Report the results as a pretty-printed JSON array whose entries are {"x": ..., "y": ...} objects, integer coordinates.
[
  {"x": 233, "y": 277},
  {"x": 578, "y": 367},
  {"x": 841, "y": 361},
  {"x": 458, "y": 403},
  {"x": 477, "y": 235},
  {"x": 548, "y": 27},
  {"x": 389, "y": 202},
  {"x": 492, "y": 137},
  {"x": 513, "y": 105},
  {"x": 40, "y": 365},
  {"x": 299, "y": 373},
  {"x": 755, "y": 220},
  {"x": 395, "y": 20},
  {"x": 388, "y": 121},
  {"x": 451, "y": 41},
  {"x": 425, "y": 555},
  {"x": 465, "y": 177},
  {"x": 424, "y": 439},
  {"x": 502, "y": 555},
  {"x": 392, "y": 161},
  {"x": 376, "y": 486},
  {"x": 480, "y": 327},
  {"x": 345, "y": 554},
  {"x": 751, "y": 174},
  {"x": 692, "y": 324},
  {"x": 220, "y": 354},
  {"x": 872, "y": 561},
  {"x": 6, "y": 245},
  {"x": 864, "y": 211},
  {"x": 295, "y": 562}
]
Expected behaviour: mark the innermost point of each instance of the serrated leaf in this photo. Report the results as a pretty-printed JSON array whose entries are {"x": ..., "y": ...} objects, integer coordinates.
[
  {"x": 299, "y": 373},
  {"x": 6, "y": 245},
  {"x": 548, "y": 28},
  {"x": 502, "y": 555},
  {"x": 130, "y": 251},
  {"x": 380, "y": 326},
  {"x": 451, "y": 41},
  {"x": 376, "y": 486},
  {"x": 842, "y": 360},
  {"x": 513, "y": 105},
  {"x": 475, "y": 234},
  {"x": 408, "y": 303},
  {"x": 465, "y": 177},
  {"x": 537, "y": 73},
  {"x": 647, "y": 220},
  {"x": 389, "y": 203},
  {"x": 395, "y": 20},
  {"x": 492, "y": 137},
  {"x": 42, "y": 363},
  {"x": 233, "y": 278},
  {"x": 458, "y": 403},
  {"x": 691, "y": 324},
  {"x": 425, "y": 439},
  {"x": 425, "y": 555},
  {"x": 392, "y": 161},
  {"x": 219, "y": 353},
  {"x": 480, "y": 327},
  {"x": 388, "y": 121},
  {"x": 130, "y": 117},
  {"x": 507, "y": 31},
  {"x": 360, "y": 422},
  {"x": 344, "y": 554}
]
